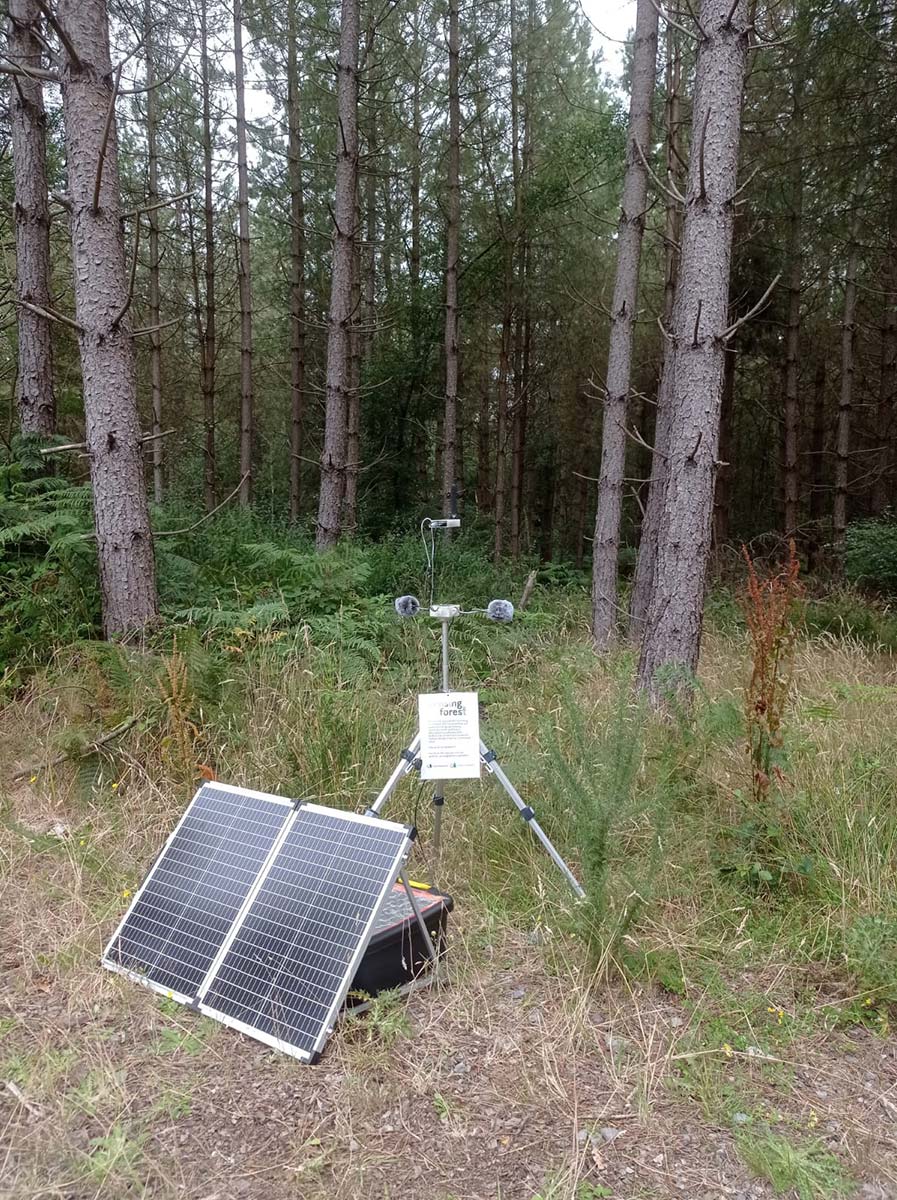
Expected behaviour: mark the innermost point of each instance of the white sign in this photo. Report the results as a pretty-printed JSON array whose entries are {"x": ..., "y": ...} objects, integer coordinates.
[{"x": 449, "y": 735}]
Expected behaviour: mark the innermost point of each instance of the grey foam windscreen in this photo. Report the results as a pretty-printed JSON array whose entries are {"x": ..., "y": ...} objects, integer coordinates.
[
  {"x": 500, "y": 610},
  {"x": 407, "y": 606}
]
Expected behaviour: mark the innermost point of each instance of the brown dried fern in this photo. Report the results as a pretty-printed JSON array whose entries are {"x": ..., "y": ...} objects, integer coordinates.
[{"x": 770, "y": 605}]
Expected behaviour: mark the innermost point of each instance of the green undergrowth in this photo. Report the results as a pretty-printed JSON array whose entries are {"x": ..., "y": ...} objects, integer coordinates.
[
  {"x": 290, "y": 672},
  {"x": 769, "y": 928},
  {"x": 656, "y": 817},
  {"x": 802, "y": 1169}
]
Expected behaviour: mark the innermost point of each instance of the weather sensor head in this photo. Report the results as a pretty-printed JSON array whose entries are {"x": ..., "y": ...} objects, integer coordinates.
[
  {"x": 407, "y": 606},
  {"x": 500, "y": 610}
]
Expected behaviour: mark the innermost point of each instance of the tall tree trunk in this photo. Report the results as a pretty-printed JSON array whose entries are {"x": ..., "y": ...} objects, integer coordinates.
[
  {"x": 155, "y": 288},
  {"x": 512, "y": 300},
  {"x": 452, "y": 242},
  {"x": 606, "y": 545},
  {"x": 792, "y": 336},
  {"x": 333, "y": 452},
  {"x": 523, "y": 319},
  {"x": 501, "y": 424},
  {"x": 722, "y": 491},
  {"x": 297, "y": 262},
  {"x": 484, "y": 440},
  {"x": 816, "y": 474},
  {"x": 353, "y": 414},
  {"x": 673, "y": 635},
  {"x": 414, "y": 264},
  {"x": 115, "y": 451},
  {"x": 845, "y": 398},
  {"x": 34, "y": 387},
  {"x": 887, "y": 386},
  {"x": 209, "y": 350},
  {"x": 518, "y": 427},
  {"x": 247, "y": 417},
  {"x": 361, "y": 332},
  {"x": 643, "y": 582}
]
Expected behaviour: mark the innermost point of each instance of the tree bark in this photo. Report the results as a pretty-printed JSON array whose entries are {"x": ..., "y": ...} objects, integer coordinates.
[
  {"x": 34, "y": 387},
  {"x": 333, "y": 453},
  {"x": 792, "y": 335},
  {"x": 297, "y": 263},
  {"x": 501, "y": 424},
  {"x": 887, "y": 387},
  {"x": 208, "y": 346},
  {"x": 606, "y": 545},
  {"x": 817, "y": 458},
  {"x": 353, "y": 415},
  {"x": 523, "y": 323},
  {"x": 414, "y": 263},
  {"x": 845, "y": 398},
  {"x": 484, "y": 441},
  {"x": 452, "y": 242},
  {"x": 155, "y": 287},
  {"x": 673, "y": 635},
  {"x": 247, "y": 418},
  {"x": 643, "y": 582},
  {"x": 115, "y": 451},
  {"x": 518, "y": 425},
  {"x": 722, "y": 491}
]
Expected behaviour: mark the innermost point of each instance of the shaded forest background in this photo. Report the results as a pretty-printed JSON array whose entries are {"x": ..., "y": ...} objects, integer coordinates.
[{"x": 540, "y": 157}]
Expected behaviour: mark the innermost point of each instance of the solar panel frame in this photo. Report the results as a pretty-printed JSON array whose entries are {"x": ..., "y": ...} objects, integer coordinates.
[
  {"x": 364, "y": 936},
  {"x": 140, "y": 977}
]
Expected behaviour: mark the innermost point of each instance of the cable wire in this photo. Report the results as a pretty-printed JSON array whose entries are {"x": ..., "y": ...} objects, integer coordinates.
[{"x": 430, "y": 554}]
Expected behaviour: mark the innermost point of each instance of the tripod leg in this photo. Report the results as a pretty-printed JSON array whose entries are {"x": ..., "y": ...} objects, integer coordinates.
[
  {"x": 418, "y": 915},
  {"x": 404, "y": 765},
  {"x": 490, "y": 762}
]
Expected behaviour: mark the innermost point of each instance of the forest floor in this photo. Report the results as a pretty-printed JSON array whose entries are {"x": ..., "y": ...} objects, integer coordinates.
[{"x": 746, "y": 1050}]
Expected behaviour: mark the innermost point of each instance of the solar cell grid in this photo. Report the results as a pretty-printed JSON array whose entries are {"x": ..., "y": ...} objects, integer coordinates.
[
  {"x": 292, "y": 959},
  {"x": 183, "y": 912}
]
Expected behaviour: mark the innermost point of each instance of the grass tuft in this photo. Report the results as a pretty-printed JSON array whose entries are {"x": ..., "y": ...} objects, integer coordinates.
[{"x": 807, "y": 1171}]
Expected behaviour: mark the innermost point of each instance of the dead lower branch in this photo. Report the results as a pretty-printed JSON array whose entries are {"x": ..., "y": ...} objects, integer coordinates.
[
  {"x": 703, "y": 191},
  {"x": 104, "y": 144},
  {"x": 727, "y": 24},
  {"x": 87, "y": 750},
  {"x": 156, "y": 328},
  {"x": 148, "y": 208},
  {"x": 64, "y": 38},
  {"x": 750, "y": 179},
  {"x": 669, "y": 189},
  {"x": 689, "y": 33},
  {"x": 761, "y": 304},
  {"x": 207, "y": 517},
  {"x": 694, "y": 17},
  {"x": 68, "y": 446},
  {"x": 17, "y": 70},
  {"x": 127, "y": 304},
  {"x": 51, "y": 315},
  {"x": 157, "y": 83}
]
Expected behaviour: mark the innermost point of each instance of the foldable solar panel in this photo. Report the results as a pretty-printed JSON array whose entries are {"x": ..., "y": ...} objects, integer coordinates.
[
  {"x": 258, "y": 911},
  {"x": 188, "y": 902}
]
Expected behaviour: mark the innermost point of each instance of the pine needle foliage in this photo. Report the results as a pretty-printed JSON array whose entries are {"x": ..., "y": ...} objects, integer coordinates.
[{"x": 600, "y": 771}]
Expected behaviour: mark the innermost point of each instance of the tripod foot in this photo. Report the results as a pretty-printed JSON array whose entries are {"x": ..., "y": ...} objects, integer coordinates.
[{"x": 490, "y": 762}]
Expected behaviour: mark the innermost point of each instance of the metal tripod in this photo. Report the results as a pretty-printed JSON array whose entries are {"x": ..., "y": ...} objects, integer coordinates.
[{"x": 409, "y": 761}]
